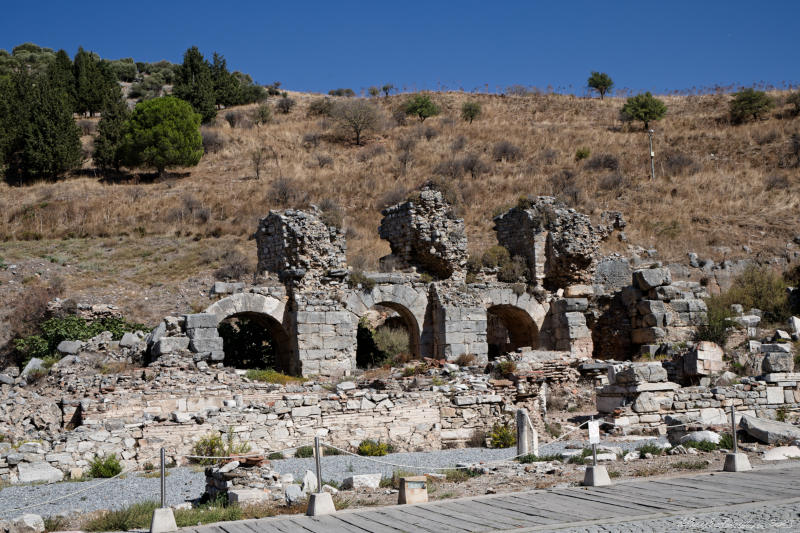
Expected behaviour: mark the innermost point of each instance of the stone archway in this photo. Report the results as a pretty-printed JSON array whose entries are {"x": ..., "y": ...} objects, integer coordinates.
[
  {"x": 408, "y": 302},
  {"x": 269, "y": 313},
  {"x": 512, "y": 320}
]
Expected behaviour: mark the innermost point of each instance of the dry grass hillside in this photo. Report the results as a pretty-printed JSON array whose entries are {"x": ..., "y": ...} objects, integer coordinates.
[{"x": 719, "y": 186}]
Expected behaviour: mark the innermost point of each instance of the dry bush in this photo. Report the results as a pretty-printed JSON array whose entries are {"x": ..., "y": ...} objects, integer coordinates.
[
  {"x": 429, "y": 133},
  {"x": 312, "y": 140},
  {"x": 613, "y": 182},
  {"x": 234, "y": 267},
  {"x": 213, "y": 140},
  {"x": 776, "y": 182},
  {"x": 506, "y": 151},
  {"x": 323, "y": 160},
  {"x": 370, "y": 152},
  {"x": 458, "y": 143},
  {"x": 285, "y": 192},
  {"x": 677, "y": 163},
  {"x": 602, "y": 162}
]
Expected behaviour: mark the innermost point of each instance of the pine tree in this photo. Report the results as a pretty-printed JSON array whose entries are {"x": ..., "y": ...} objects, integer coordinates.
[
  {"x": 226, "y": 86},
  {"x": 110, "y": 133},
  {"x": 195, "y": 85},
  {"x": 81, "y": 66},
  {"x": 162, "y": 132},
  {"x": 61, "y": 76}
]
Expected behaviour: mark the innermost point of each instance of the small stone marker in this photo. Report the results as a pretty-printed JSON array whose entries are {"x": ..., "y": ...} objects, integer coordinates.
[{"x": 413, "y": 489}]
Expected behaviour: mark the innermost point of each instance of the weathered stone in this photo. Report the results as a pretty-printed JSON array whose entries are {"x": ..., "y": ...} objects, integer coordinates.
[
  {"x": 39, "y": 472},
  {"x": 249, "y": 496},
  {"x": 701, "y": 436},
  {"x": 310, "y": 482},
  {"x": 769, "y": 431},
  {"x": 637, "y": 373},
  {"x": 778, "y": 362},
  {"x": 27, "y": 523},
  {"x": 69, "y": 347},
  {"x": 206, "y": 345},
  {"x": 781, "y": 453},
  {"x": 293, "y": 494},
  {"x": 201, "y": 320},
  {"x": 649, "y": 278},
  {"x": 362, "y": 481},
  {"x": 129, "y": 340},
  {"x": 35, "y": 364},
  {"x": 166, "y": 345}
]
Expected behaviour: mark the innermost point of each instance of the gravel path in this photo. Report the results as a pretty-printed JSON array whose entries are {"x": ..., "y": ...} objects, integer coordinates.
[{"x": 186, "y": 484}]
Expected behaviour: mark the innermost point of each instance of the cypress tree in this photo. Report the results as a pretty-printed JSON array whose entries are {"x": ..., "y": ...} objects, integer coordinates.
[
  {"x": 61, "y": 76},
  {"x": 110, "y": 132},
  {"x": 226, "y": 86},
  {"x": 195, "y": 85}
]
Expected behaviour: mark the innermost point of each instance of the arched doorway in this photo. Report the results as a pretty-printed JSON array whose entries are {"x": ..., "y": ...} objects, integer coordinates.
[
  {"x": 507, "y": 328},
  {"x": 387, "y": 333},
  {"x": 256, "y": 340}
]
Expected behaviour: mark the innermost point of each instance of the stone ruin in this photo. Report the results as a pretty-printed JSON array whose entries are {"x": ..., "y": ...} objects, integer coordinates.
[{"x": 306, "y": 298}]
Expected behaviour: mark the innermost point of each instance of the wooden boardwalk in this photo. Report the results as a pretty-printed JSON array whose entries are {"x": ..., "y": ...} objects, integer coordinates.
[{"x": 545, "y": 510}]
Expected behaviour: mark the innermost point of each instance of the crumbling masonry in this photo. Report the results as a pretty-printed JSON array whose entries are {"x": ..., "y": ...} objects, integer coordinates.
[{"x": 307, "y": 299}]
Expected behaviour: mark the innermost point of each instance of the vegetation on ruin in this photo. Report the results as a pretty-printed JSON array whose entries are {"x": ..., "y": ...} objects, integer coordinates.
[
  {"x": 531, "y": 458},
  {"x": 215, "y": 445},
  {"x": 373, "y": 448},
  {"x": 271, "y": 376},
  {"x": 104, "y": 467},
  {"x": 502, "y": 436}
]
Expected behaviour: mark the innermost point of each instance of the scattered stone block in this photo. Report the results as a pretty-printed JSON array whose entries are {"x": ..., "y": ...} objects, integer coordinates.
[
  {"x": 293, "y": 494},
  {"x": 34, "y": 364},
  {"x": 244, "y": 496},
  {"x": 69, "y": 347},
  {"x": 781, "y": 453},
  {"x": 650, "y": 278},
  {"x": 368, "y": 481},
  {"x": 769, "y": 431},
  {"x": 701, "y": 436},
  {"x": 27, "y": 523},
  {"x": 38, "y": 472},
  {"x": 775, "y": 362}
]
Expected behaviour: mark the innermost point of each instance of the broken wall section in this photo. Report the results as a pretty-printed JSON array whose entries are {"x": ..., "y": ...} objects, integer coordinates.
[{"x": 424, "y": 233}]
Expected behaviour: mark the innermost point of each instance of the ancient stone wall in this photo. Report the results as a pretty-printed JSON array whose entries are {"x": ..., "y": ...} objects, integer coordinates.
[{"x": 425, "y": 234}]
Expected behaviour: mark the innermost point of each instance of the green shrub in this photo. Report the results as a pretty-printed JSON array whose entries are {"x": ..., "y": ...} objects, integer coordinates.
[
  {"x": 553, "y": 429},
  {"x": 762, "y": 288},
  {"x": 502, "y": 436},
  {"x": 271, "y": 376},
  {"x": 750, "y": 104},
  {"x": 702, "y": 445},
  {"x": 580, "y": 459},
  {"x": 726, "y": 441},
  {"x": 649, "y": 448},
  {"x": 357, "y": 278},
  {"x": 717, "y": 329},
  {"x": 213, "y": 445},
  {"x": 513, "y": 271},
  {"x": 530, "y": 458},
  {"x": 276, "y": 456},
  {"x": 304, "y": 452},
  {"x": 105, "y": 467},
  {"x": 263, "y": 114},
  {"x": 582, "y": 153},
  {"x": 495, "y": 256},
  {"x": 391, "y": 341},
  {"x": 460, "y": 475},
  {"x": 139, "y": 515},
  {"x": 470, "y": 111},
  {"x": 372, "y": 448},
  {"x": 505, "y": 367},
  {"x": 422, "y": 106},
  {"x": 644, "y": 107}
]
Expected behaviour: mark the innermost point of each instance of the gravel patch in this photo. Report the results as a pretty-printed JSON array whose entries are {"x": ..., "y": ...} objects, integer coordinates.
[{"x": 187, "y": 484}]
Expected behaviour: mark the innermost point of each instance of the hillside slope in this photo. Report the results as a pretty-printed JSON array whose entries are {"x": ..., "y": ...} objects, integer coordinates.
[{"x": 722, "y": 191}]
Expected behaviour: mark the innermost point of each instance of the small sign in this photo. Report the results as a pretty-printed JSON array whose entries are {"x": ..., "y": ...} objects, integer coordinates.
[{"x": 594, "y": 432}]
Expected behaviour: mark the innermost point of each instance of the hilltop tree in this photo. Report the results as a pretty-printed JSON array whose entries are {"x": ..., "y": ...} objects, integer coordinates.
[
  {"x": 356, "y": 116},
  {"x": 422, "y": 106},
  {"x": 644, "y": 107},
  {"x": 60, "y": 76},
  {"x": 600, "y": 82},
  {"x": 748, "y": 104},
  {"x": 470, "y": 111},
  {"x": 387, "y": 89},
  {"x": 226, "y": 86},
  {"x": 374, "y": 91},
  {"x": 162, "y": 132},
  {"x": 94, "y": 82},
  {"x": 42, "y": 141},
  {"x": 194, "y": 84},
  {"x": 110, "y": 133}
]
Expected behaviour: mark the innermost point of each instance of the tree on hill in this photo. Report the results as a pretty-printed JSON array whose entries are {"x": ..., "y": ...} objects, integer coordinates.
[
  {"x": 748, "y": 104},
  {"x": 42, "y": 140},
  {"x": 644, "y": 107},
  {"x": 387, "y": 89},
  {"x": 600, "y": 82},
  {"x": 194, "y": 84},
  {"x": 470, "y": 111},
  {"x": 161, "y": 133},
  {"x": 110, "y": 133},
  {"x": 356, "y": 116},
  {"x": 422, "y": 106},
  {"x": 94, "y": 82},
  {"x": 60, "y": 76},
  {"x": 226, "y": 86}
]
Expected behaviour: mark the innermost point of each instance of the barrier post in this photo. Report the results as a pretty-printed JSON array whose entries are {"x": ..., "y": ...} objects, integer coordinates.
[
  {"x": 163, "y": 518},
  {"x": 319, "y": 502},
  {"x": 735, "y": 461},
  {"x": 596, "y": 476}
]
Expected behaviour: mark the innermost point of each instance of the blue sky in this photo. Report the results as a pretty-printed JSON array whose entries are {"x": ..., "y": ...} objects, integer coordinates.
[{"x": 317, "y": 46}]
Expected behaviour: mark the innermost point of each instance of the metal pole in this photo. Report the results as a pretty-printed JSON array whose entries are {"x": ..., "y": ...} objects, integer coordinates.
[
  {"x": 652, "y": 156},
  {"x": 163, "y": 481},
  {"x": 319, "y": 463},
  {"x": 733, "y": 428},
  {"x": 594, "y": 451}
]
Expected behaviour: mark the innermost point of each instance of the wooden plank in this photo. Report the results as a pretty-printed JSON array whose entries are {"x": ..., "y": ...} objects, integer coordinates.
[
  {"x": 706, "y": 495},
  {"x": 328, "y": 523},
  {"x": 548, "y": 505},
  {"x": 442, "y": 508},
  {"x": 619, "y": 491},
  {"x": 617, "y": 503},
  {"x": 435, "y": 523},
  {"x": 768, "y": 484},
  {"x": 432, "y": 513},
  {"x": 542, "y": 515},
  {"x": 279, "y": 525},
  {"x": 727, "y": 488},
  {"x": 359, "y": 520},
  {"x": 409, "y": 523},
  {"x": 500, "y": 519},
  {"x": 234, "y": 527},
  {"x": 511, "y": 518}
]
